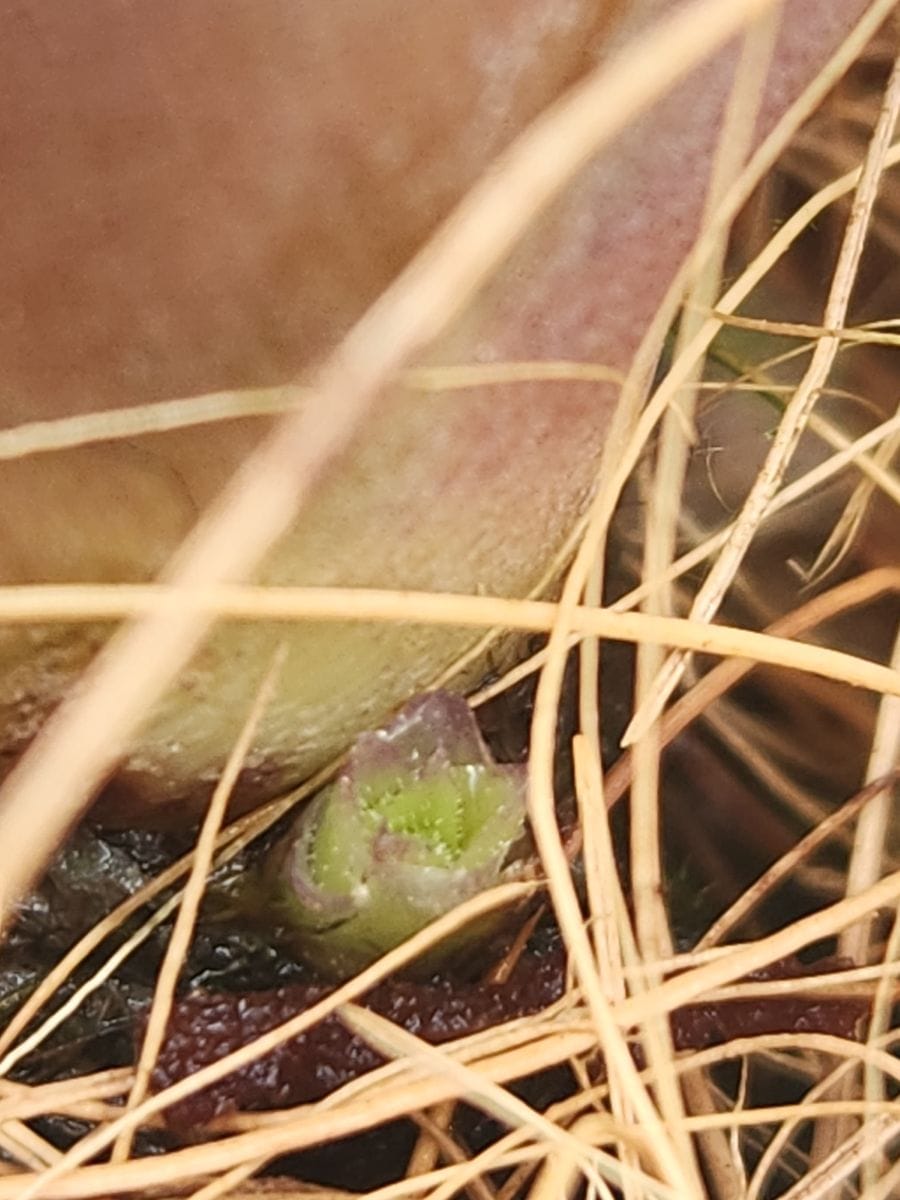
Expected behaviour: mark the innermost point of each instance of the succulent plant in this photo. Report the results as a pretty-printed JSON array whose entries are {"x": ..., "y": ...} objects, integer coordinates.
[
  {"x": 420, "y": 819},
  {"x": 204, "y": 196}
]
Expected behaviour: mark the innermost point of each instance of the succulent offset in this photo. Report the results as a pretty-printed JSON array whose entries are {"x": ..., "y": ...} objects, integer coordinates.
[{"x": 420, "y": 819}]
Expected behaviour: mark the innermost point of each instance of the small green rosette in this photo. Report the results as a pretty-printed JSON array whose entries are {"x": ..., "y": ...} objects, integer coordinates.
[{"x": 420, "y": 819}]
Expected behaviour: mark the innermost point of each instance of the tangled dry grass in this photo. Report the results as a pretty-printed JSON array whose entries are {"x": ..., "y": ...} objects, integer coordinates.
[{"x": 680, "y": 1125}]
